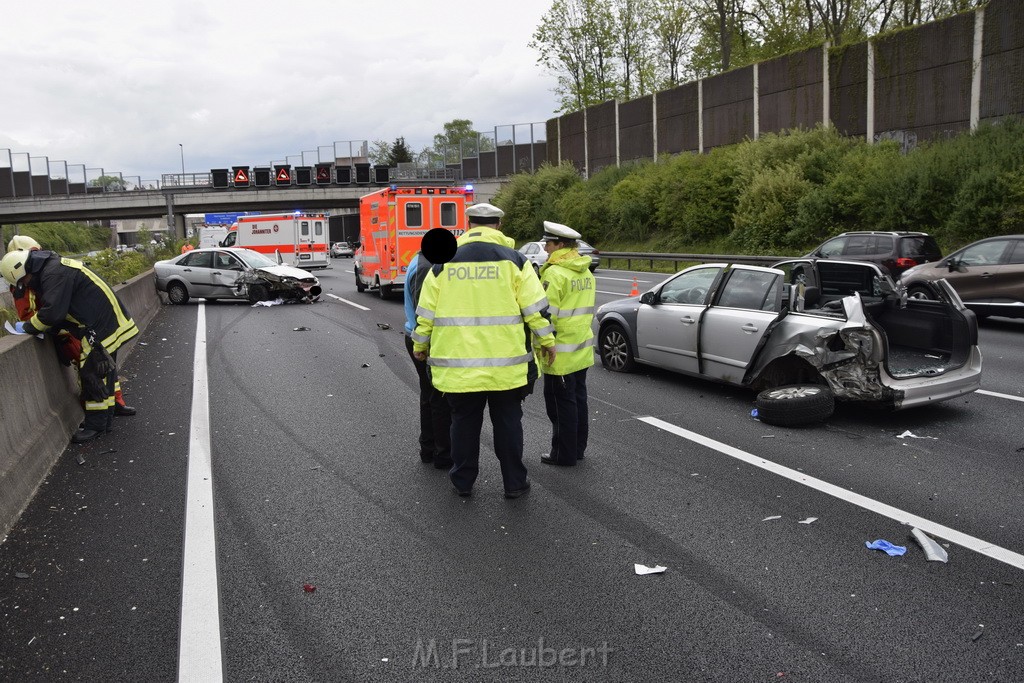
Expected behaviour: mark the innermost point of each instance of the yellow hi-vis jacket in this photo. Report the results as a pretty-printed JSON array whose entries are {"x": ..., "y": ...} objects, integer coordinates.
[
  {"x": 571, "y": 293},
  {"x": 473, "y": 312}
]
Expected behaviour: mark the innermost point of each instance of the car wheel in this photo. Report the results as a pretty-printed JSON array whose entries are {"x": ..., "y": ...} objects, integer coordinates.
[
  {"x": 360, "y": 287},
  {"x": 258, "y": 292},
  {"x": 919, "y": 292},
  {"x": 177, "y": 293},
  {"x": 616, "y": 353},
  {"x": 793, "y": 405},
  {"x": 383, "y": 291}
]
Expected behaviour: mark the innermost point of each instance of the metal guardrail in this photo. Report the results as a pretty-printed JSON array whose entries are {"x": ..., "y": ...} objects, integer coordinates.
[{"x": 630, "y": 256}]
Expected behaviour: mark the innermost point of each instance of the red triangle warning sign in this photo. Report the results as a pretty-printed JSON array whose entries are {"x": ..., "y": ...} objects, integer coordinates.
[
  {"x": 241, "y": 176},
  {"x": 283, "y": 176},
  {"x": 323, "y": 174}
]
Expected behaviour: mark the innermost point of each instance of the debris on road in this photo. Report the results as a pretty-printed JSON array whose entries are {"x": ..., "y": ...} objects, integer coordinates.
[
  {"x": 20, "y": 575},
  {"x": 80, "y": 458},
  {"x": 977, "y": 634},
  {"x": 275, "y": 302},
  {"x": 642, "y": 569},
  {"x": 384, "y": 326},
  {"x": 768, "y": 519},
  {"x": 301, "y": 329},
  {"x": 912, "y": 435},
  {"x": 932, "y": 550},
  {"x": 890, "y": 549},
  {"x": 366, "y": 365},
  {"x": 309, "y": 588},
  {"x": 809, "y": 520}
]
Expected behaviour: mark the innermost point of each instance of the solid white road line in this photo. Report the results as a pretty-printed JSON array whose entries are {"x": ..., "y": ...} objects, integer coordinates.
[
  {"x": 1006, "y": 396},
  {"x": 350, "y": 303},
  {"x": 624, "y": 279},
  {"x": 952, "y": 535},
  {"x": 199, "y": 651}
]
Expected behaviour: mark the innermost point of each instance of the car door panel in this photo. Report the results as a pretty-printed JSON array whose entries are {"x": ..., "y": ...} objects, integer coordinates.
[{"x": 668, "y": 330}]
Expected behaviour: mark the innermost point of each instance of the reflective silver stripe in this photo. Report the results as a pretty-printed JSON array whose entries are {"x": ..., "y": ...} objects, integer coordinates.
[
  {"x": 424, "y": 313},
  {"x": 479, "y": 321},
  {"x": 379, "y": 234},
  {"x": 419, "y": 338},
  {"x": 545, "y": 331},
  {"x": 566, "y": 348},
  {"x": 586, "y": 310},
  {"x": 537, "y": 307},
  {"x": 370, "y": 259},
  {"x": 478, "y": 362}
]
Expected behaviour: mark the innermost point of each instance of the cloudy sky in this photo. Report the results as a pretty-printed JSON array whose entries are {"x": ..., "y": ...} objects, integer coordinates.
[{"x": 119, "y": 85}]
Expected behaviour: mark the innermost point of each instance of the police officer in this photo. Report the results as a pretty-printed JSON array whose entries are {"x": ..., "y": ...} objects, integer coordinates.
[
  {"x": 470, "y": 330},
  {"x": 72, "y": 295},
  {"x": 571, "y": 292}
]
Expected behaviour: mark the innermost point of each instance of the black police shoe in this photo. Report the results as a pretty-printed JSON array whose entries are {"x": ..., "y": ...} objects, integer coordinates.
[
  {"x": 443, "y": 464},
  {"x": 548, "y": 460},
  {"x": 123, "y": 411},
  {"x": 83, "y": 435},
  {"x": 463, "y": 494},
  {"x": 518, "y": 492}
]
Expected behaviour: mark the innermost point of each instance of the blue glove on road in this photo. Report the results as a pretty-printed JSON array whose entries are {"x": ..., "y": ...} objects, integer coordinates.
[{"x": 19, "y": 327}]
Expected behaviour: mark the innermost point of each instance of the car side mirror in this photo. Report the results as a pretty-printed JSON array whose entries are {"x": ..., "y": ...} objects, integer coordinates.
[
  {"x": 647, "y": 298},
  {"x": 280, "y": 259},
  {"x": 953, "y": 264}
]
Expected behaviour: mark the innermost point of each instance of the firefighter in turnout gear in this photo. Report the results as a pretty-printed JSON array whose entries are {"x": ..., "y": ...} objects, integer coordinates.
[
  {"x": 69, "y": 347},
  {"x": 73, "y": 297},
  {"x": 571, "y": 291},
  {"x": 471, "y": 322}
]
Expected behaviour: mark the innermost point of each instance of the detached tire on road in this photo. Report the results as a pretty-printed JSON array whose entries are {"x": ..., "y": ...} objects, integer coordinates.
[{"x": 795, "y": 405}]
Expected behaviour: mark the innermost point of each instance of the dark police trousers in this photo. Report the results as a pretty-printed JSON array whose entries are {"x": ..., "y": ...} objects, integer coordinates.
[
  {"x": 435, "y": 416},
  {"x": 506, "y": 410},
  {"x": 565, "y": 398}
]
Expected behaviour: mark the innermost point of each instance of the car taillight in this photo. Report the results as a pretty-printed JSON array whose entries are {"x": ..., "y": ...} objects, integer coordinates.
[{"x": 906, "y": 262}]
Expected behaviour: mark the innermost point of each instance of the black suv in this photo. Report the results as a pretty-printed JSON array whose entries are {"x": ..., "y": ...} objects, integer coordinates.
[{"x": 896, "y": 251}]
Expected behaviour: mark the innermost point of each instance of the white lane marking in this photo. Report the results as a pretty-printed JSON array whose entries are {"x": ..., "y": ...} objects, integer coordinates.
[
  {"x": 350, "y": 303},
  {"x": 624, "y": 279},
  {"x": 199, "y": 653},
  {"x": 599, "y": 291},
  {"x": 1006, "y": 396},
  {"x": 933, "y": 528}
]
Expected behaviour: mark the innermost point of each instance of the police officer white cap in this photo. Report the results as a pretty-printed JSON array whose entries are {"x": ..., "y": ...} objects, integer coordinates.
[
  {"x": 558, "y": 233},
  {"x": 484, "y": 213}
]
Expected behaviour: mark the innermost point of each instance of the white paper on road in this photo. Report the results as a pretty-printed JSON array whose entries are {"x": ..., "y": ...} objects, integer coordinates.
[
  {"x": 642, "y": 569},
  {"x": 912, "y": 435},
  {"x": 768, "y": 519},
  {"x": 809, "y": 520}
]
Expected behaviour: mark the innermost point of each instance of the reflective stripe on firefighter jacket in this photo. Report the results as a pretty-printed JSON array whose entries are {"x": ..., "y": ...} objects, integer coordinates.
[
  {"x": 71, "y": 295},
  {"x": 571, "y": 292},
  {"x": 471, "y": 314}
]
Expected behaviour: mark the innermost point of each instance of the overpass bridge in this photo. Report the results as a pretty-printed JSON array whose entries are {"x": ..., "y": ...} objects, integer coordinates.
[{"x": 175, "y": 201}]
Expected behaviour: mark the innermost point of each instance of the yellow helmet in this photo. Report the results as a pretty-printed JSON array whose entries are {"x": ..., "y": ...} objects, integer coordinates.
[
  {"x": 12, "y": 266},
  {"x": 22, "y": 243}
]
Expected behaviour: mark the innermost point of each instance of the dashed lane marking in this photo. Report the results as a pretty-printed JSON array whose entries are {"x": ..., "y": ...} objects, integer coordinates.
[
  {"x": 350, "y": 303},
  {"x": 997, "y": 395},
  {"x": 933, "y": 528}
]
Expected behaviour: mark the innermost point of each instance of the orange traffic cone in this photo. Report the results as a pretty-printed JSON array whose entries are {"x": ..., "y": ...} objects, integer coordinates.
[{"x": 636, "y": 290}]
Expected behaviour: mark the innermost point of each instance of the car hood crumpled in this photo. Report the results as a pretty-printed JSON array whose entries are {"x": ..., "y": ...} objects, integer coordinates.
[{"x": 288, "y": 271}]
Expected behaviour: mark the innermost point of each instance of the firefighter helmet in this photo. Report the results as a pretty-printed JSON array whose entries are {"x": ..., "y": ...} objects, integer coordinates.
[
  {"x": 22, "y": 243},
  {"x": 12, "y": 266}
]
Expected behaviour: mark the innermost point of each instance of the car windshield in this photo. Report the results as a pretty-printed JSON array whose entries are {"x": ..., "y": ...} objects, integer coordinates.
[{"x": 254, "y": 259}]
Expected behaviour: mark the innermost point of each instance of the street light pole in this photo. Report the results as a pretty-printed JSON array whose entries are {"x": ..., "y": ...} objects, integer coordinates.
[{"x": 182, "y": 148}]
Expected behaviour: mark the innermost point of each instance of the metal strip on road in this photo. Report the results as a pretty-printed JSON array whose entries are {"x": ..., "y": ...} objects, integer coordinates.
[
  {"x": 199, "y": 646},
  {"x": 1006, "y": 396},
  {"x": 933, "y": 528},
  {"x": 350, "y": 303}
]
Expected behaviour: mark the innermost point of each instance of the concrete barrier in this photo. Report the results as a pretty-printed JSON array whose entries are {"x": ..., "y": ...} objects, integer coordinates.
[{"x": 39, "y": 402}]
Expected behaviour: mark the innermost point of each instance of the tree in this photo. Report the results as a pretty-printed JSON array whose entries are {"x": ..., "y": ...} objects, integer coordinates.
[
  {"x": 458, "y": 137},
  {"x": 576, "y": 43},
  {"x": 634, "y": 47},
  {"x": 400, "y": 153},
  {"x": 379, "y": 152},
  {"x": 672, "y": 32},
  {"x": 109, "y": 183}
]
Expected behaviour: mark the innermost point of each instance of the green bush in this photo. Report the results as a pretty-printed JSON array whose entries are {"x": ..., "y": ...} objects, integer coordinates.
[
  {"x": 531, "y": 198},
  {"x": 767, "y": 210},
  {"x": 698, "y": 196}
]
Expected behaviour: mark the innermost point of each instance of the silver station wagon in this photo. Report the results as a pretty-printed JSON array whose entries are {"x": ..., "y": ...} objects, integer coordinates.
[{"x": 803, "y": 333}]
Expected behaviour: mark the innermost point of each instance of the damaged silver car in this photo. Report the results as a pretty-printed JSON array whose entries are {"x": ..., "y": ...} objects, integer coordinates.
[
  {"x": 233, "y": 273},
  {"x": 803, "y": 333}
]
